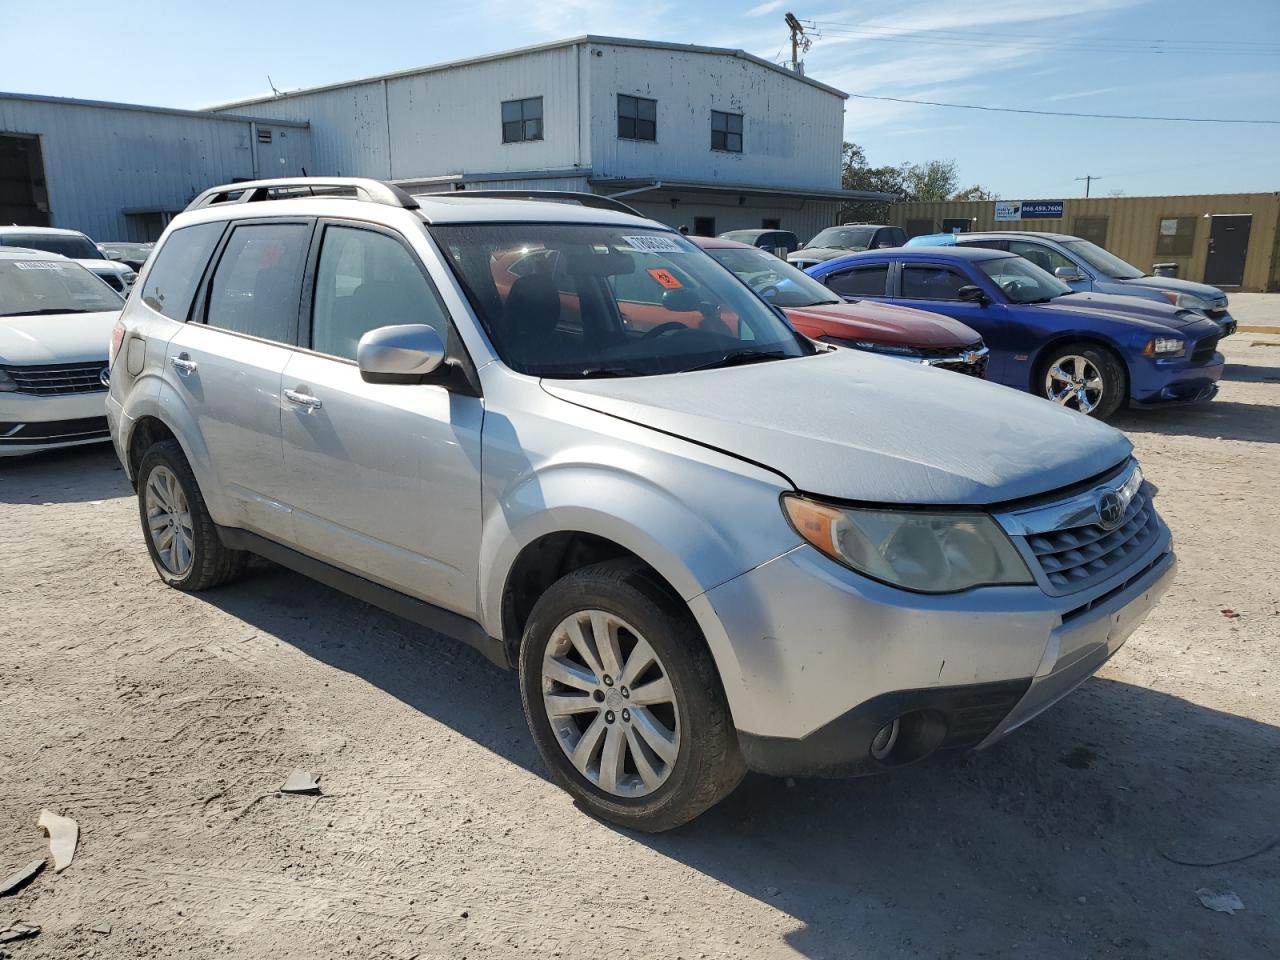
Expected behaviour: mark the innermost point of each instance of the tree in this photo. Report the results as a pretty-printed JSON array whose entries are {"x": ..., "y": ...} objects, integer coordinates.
[
  {"x": 975, "y": 192},
  {"x": 934, "y": 180}
]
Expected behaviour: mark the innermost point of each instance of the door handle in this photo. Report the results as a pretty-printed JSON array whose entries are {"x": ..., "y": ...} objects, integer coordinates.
[
  {"x": 304, "y": 400},
  {"x": 183, "y": 365}
]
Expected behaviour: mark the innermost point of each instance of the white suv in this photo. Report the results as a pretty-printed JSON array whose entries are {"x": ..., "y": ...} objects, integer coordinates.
[
  {"x": 75, "y": 246},
  {"x": 564, "y": 434}
]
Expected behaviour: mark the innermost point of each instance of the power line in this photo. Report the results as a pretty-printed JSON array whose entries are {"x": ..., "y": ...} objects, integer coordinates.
[
  {"x": 1062, "y": 113},
  {"x": 1055, "y": 38}
]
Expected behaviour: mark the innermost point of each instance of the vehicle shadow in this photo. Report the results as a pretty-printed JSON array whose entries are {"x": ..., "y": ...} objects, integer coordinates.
[
  {"x": 72, "y": 475},
  {"x": 1047, "y": 845},
  {"x": 1217, "y": 419},
  {"x": 1250, "y": 373}
]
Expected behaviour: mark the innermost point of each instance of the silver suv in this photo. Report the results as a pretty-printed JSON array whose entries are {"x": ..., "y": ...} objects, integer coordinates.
[{"x": 565, "y": 435}]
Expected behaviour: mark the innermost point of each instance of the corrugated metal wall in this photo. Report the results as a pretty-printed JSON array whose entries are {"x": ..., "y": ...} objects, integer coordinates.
[
  {"x": 102, "y": 160},
  {"x": 804, "y": 219},
  {"x": 1133, "y": 227},
  {"x": 792, "y": 130}
]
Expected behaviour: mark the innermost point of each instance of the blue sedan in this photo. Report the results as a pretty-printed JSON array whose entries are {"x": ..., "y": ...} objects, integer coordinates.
[{"x": 1092, "y": 352}]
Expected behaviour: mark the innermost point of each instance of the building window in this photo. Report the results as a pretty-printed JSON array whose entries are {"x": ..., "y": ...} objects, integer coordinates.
[
  {"x": 726, "y": 131},
  {"x": 1176, "y": 237},
  {"x": 522, "y": 120},
  {"x": 1093, "y": 229},
  {"x": 637, "y": 118},
  {"x": 704, "y": 226}
]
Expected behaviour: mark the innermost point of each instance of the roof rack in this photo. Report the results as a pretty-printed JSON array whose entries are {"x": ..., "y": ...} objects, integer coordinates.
[
  {"x": 290, "y": 188},
  {"x": 552, "y": 196}
]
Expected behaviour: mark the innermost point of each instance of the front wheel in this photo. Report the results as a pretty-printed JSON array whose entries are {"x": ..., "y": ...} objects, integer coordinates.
[
  {"x": 1084, "y": 377},
  {"x": 624, "y": 701}
]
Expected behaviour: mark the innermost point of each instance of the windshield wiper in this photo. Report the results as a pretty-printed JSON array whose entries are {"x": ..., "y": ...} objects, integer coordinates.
[
  {"x": 737, "y": 357},
  {"x": 45, "y": 311},
  {"x": 594, "y": 373}
]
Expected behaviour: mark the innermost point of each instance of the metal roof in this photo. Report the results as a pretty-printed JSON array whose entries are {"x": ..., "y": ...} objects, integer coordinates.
[
  {"x": 142, "y": 108},
  {"x": 536, "y": 48}
]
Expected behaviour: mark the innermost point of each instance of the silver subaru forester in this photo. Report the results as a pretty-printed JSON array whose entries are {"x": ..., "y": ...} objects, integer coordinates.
[{"x": 563, "y": 434}]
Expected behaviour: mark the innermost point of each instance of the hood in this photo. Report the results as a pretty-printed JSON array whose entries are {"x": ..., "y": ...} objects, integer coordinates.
[
  {"x": 819, "y": 254},
  {"x": 881, "y": 323},
  {"x": 860, "y": 427},
  {"x": 60, "y": 338},
  {"x": 1174, "y": 285},
  {"x": 1110, "y": 305},
  {"x": 106, "y": 267}
]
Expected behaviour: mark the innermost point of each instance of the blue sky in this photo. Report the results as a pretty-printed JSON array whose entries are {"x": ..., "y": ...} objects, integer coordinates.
[{"x": 1072, "y": 55}]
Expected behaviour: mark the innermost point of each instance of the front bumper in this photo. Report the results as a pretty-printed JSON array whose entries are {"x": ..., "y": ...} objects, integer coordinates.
[
  {"x": 822, "y": 658},
  {"x": 1179, "y": 380},
  {"x": 31, "y": 424},
  {"x": 1223, "y": 319}
]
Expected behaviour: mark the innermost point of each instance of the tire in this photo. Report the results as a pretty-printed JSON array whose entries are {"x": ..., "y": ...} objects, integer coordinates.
[
  {"x": 648, "y": 792},
  {"x": 1066, "y": 376},
  {"x": 165, "y": 480}
]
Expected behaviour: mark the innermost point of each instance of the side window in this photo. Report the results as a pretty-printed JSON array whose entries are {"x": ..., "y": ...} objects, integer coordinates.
[
  {"x": 926, "y": 282},
  {"x": 1046, "y": 258},
  {"x": 365, "y": 280},
  {"x": 890, "y": 237},
  {"x": 255, "y": 286},
  {"x": 861, "y": 281},
  {"x": 171, "y": 283}
]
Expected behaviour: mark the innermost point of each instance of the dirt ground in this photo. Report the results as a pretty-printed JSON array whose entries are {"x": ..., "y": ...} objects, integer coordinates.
[{"x": 164, "y": 723}]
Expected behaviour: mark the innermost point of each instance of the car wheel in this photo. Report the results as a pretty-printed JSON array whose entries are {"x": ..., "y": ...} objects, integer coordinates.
[
  {"x": 180, "y": 534},
  {"x": 624, "y": 701},
  {"x": 1085, "y": 377}
]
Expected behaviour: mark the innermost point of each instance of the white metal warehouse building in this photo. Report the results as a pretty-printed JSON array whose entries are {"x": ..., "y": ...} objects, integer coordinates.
[{"x": 711, "y": 138}]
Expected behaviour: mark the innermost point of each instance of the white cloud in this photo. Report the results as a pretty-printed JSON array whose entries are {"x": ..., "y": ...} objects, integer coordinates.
[
  {"x": 1081, "y": 94},
  {"x": 766, "y": 8}
]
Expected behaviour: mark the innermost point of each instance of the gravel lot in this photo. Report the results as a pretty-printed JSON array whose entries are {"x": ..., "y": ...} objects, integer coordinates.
[{"x": 164, "y": 724}]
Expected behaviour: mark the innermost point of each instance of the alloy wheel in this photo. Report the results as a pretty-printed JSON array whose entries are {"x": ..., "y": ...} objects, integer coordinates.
[
  {"x": 610, "y": 703},
  {"x": 1073, "y": 381},
  {"x": 169, "y": 521}
]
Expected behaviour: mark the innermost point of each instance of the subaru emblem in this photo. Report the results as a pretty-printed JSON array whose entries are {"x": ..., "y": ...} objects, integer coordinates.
[{"x": 1110, "y": 510}]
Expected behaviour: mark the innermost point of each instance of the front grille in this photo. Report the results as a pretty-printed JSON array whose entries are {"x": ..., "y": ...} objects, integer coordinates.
[
  {"x": 975, "y": 713},
  {"x": 54, "y": 431},
  {"x": 1075, "y": 558},
  {"x": 1204, "y": 349},
  {"x": 55, "y": 379},
  {"x": 976, "y": 369}
]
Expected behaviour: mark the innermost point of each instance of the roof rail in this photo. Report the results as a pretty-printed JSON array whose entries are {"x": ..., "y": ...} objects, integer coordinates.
[
  {"x": 552, "y": 196},
  {"x": 289, "y": 188}
]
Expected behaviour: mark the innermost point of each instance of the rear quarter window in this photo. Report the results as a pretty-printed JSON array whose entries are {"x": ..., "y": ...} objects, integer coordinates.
[{"x": 171, "y": 282}]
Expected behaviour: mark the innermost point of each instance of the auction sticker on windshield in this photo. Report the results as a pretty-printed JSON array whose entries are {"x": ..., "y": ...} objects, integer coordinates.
[
  {"x": 37, "y": 265},
  {"x": 652, "y": 244}
]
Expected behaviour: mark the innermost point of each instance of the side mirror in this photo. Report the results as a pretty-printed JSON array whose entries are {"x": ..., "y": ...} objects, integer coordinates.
[
  {"x": 972, "y": 294},
  {"x": 682, "y": 300},
  {"x": 407, "y": 353},
  {"x": 1068, "y": 274}
]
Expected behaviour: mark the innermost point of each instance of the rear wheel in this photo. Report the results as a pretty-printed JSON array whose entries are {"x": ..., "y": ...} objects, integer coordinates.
[
  {"x": 181, "y": 536},
  {"x": 1084, "y": 377},
  {"x": 624, "y": 701}
]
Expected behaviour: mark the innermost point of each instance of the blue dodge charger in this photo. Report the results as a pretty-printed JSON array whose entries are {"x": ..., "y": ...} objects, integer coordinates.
[{"x": 1092, "y": 352}]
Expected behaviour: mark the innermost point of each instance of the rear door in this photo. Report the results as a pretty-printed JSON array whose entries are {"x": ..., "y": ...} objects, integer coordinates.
[
  {"x": 226, "y": 364},
  {"x": 383, "y": 479},
  {"x": 864, "y": 281}
]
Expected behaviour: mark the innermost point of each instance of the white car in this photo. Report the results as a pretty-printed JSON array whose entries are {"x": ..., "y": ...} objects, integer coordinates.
[
  {"x": 74, "y": 245},
  {"x": 55, "y": 330}
]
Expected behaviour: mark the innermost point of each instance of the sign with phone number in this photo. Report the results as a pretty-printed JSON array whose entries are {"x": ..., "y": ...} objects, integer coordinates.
[{"x": 1028, "y": 210}]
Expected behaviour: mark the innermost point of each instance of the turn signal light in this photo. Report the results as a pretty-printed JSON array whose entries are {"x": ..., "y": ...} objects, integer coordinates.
[{"x": 117, "y": 338}]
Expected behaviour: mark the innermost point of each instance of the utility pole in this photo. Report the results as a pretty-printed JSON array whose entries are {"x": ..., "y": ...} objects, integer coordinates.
[
  {"x": 799, "y": 41},
  {"x": 1088, "y": 181}
]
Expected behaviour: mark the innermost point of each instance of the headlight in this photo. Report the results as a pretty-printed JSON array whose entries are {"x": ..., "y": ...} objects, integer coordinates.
[
  {"x": 7, "y": 383},
  {"x": 1164, "y": 347},
  {"x": 887, "y": 348},
  {"x": 924, "y": 552},
  {"x": 1189, "y": 301},
  {"x": 130, "y": 277}
]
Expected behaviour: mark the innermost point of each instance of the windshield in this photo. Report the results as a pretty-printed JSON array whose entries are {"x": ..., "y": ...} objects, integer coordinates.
[
  {"x": 69, "y": 245},
  {"x": 1107, "y": 264},
  {"x": 569, "y": 301},
  {"x": 30, "y": 287},
  {"x": 1022, "y": 281},
  {"x": 844, "y": 238},
  {"x": 776, "y": 280}
]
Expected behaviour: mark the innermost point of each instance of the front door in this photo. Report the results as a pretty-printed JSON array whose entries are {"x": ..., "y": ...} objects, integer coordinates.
[
  {"x": 1228, "y": 246},
  {"x": 383, "y": 479},
  {"x": 225, "y": 365},
  {"x": 936, "y": 287}
]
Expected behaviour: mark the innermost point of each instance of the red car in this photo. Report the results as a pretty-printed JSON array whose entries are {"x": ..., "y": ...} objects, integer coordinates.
[{"x": 817, "y": 312}]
